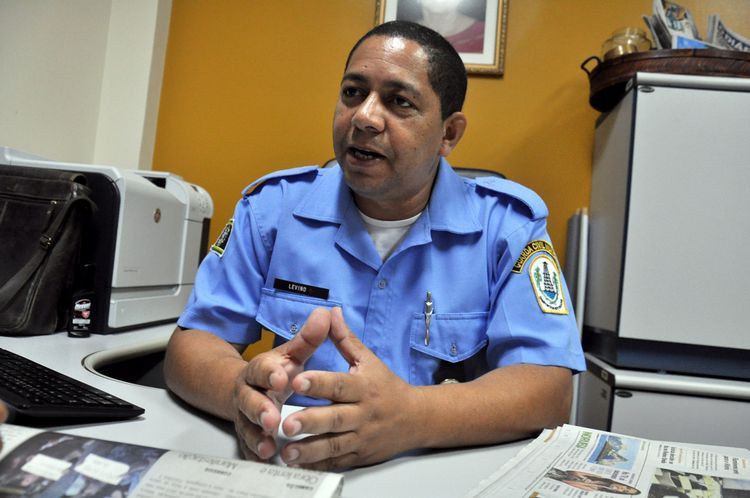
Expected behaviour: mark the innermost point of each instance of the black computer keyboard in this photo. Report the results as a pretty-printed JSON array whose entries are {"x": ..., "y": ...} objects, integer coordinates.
[{"x": 37, "y": 395}]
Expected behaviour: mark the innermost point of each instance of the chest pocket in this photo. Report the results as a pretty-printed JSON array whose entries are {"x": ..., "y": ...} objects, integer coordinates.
[
  {"x": 284, "y": 313},
  {"x": 454, "y": 338}
]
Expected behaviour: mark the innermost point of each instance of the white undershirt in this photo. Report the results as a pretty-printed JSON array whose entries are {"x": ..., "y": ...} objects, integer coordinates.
[{"x": 387, "y": 234}]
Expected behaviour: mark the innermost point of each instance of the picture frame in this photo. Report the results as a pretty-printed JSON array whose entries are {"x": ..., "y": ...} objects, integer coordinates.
[{"x": 475, "y": 28}]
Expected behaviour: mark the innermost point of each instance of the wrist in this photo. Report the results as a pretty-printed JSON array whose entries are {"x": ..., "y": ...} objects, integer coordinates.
[
  {"x": 232, "y": 379},
  {"x": 418, "y": 419}
]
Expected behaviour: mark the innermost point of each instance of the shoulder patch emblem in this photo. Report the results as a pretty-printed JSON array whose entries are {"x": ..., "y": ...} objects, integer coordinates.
[
  {"x": 545, "y": 279},
  {"x": 221, "y": 241},
  {"x": 531, "y": 248}
]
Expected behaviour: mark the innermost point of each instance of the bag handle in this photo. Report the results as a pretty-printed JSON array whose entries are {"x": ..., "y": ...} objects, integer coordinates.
[{"x": 46, "y": 242}]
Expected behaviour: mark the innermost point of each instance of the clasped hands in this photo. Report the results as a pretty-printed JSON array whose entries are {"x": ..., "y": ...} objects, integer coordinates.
[{"x": 367, "y": 422}]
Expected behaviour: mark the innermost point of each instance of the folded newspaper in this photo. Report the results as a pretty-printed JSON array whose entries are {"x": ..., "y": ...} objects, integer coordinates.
[
  {"x": 672, "y": 26},
  {"x": 719, "y": 35},
  {"x": 37, "y": 463},
  {"x": 573, "y": 461}
]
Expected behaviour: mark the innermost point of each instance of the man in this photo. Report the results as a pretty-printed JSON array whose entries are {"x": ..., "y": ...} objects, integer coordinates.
[{"x": 412, "y": 309}]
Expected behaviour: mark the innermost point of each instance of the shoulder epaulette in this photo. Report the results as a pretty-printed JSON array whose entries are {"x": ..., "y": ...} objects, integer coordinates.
[
  {"x": 284, "y": 173},
  {"x": 528, "y": 197}
]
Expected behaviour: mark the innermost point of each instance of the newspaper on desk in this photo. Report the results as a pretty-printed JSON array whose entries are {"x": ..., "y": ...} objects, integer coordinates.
[
  {"x": 573, "y": 461},
  {"x": 41, "y": 463}
]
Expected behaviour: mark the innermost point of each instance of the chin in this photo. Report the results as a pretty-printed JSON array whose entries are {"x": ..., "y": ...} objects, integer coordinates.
[
  {"x": 364, "y": 186},
  {"x": 362, "y": 173}
]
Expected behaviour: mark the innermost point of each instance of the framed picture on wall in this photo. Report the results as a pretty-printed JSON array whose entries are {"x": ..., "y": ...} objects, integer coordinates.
[{"x": 475, "y": 28}]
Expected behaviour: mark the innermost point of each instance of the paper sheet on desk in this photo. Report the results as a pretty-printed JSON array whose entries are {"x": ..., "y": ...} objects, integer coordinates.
[
  {"x": 185, "y": 475},
  {"x": 35, "y": 461}
]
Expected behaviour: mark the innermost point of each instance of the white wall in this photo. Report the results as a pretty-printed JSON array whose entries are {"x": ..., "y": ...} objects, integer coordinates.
[{"x": 81, "y": 78}]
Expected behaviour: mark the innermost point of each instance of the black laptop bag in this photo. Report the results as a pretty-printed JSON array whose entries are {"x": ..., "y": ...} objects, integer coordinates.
[{"x": 43, "y": 216}]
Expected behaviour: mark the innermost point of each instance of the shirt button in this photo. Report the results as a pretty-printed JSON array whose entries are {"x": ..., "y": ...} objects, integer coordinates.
[
  {"x": 383, "y": 282},
  {"x": 293, "y": 328},
  {"x": 454, "y": 349}
]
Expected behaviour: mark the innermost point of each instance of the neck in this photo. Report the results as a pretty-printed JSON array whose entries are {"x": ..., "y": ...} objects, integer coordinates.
[{"x": 390, "y": 211}]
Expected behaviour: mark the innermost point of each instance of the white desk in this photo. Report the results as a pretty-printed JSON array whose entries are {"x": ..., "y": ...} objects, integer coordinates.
[{"x": 171, "y": 424}]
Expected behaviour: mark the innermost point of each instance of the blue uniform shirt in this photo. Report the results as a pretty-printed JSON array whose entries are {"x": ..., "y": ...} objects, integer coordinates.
[{"x": 480, "y": 248}]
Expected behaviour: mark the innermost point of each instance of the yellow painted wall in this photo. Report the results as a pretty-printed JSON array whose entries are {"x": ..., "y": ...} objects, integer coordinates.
[{"x": 250, "y": 85}]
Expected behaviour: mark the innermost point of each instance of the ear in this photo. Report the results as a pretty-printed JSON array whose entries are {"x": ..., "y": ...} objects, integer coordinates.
[{"x": 453, "y": 129}]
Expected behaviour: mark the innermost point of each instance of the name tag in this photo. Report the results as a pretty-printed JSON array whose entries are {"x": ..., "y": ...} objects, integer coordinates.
[{"x": 297, "y": 288}]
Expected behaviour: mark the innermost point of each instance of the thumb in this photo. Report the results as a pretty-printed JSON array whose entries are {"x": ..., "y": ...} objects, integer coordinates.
[
  {"x": 348, "y": 344},
  {"x": 310, "y": 337}
]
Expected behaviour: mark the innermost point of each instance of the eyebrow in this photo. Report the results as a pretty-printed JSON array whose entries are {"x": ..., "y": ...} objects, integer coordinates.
[{"x": 391, "y": 84}]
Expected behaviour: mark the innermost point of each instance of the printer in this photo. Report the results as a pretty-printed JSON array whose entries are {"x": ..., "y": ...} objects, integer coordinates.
[{"x": 148, "y": 236}]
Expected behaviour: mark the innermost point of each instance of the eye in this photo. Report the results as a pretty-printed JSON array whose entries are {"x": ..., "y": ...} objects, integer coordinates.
[
  {"x": 402, "y": 102},
  {"x": 349, "y": 92}
]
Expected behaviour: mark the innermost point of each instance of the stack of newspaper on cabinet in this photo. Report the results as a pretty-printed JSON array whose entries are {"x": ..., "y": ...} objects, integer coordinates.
[
  {"x": 672, "y": 26},
  {"x": 573, "y": 461},
  {"x": 37, "y": 463}
]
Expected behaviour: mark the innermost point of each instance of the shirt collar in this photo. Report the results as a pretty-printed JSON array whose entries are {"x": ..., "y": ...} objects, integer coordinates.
[
  {"x": 450, "y": 208},
  {"x": 329, "y": 199}
]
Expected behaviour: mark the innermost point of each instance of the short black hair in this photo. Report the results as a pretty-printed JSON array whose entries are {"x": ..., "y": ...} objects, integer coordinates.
[{"x": 445, "y": 71}]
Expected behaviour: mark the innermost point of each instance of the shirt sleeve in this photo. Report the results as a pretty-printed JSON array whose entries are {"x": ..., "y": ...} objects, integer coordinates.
[
  {"x": 229, "y": 281},
  {"x": 531, "y": 318}
]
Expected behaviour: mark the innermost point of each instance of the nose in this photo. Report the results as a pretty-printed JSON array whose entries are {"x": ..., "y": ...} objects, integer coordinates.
[{"x": 369, "y": 115}]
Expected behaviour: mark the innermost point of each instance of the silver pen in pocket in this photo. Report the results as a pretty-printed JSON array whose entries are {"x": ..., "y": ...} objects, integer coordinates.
[{"x": 429, "y": 309}]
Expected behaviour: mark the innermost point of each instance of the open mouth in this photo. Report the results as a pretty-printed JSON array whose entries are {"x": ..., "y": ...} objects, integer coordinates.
[{"x": 364, "y": 155}]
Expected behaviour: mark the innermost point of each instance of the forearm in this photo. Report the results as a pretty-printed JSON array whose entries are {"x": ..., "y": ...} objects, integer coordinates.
[
  {"x": 202, "y": 369},
  {"x": 504, "y": 404}
]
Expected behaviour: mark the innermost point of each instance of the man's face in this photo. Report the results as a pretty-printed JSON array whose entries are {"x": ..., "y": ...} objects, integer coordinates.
[{"x": 388, "y": 134}]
